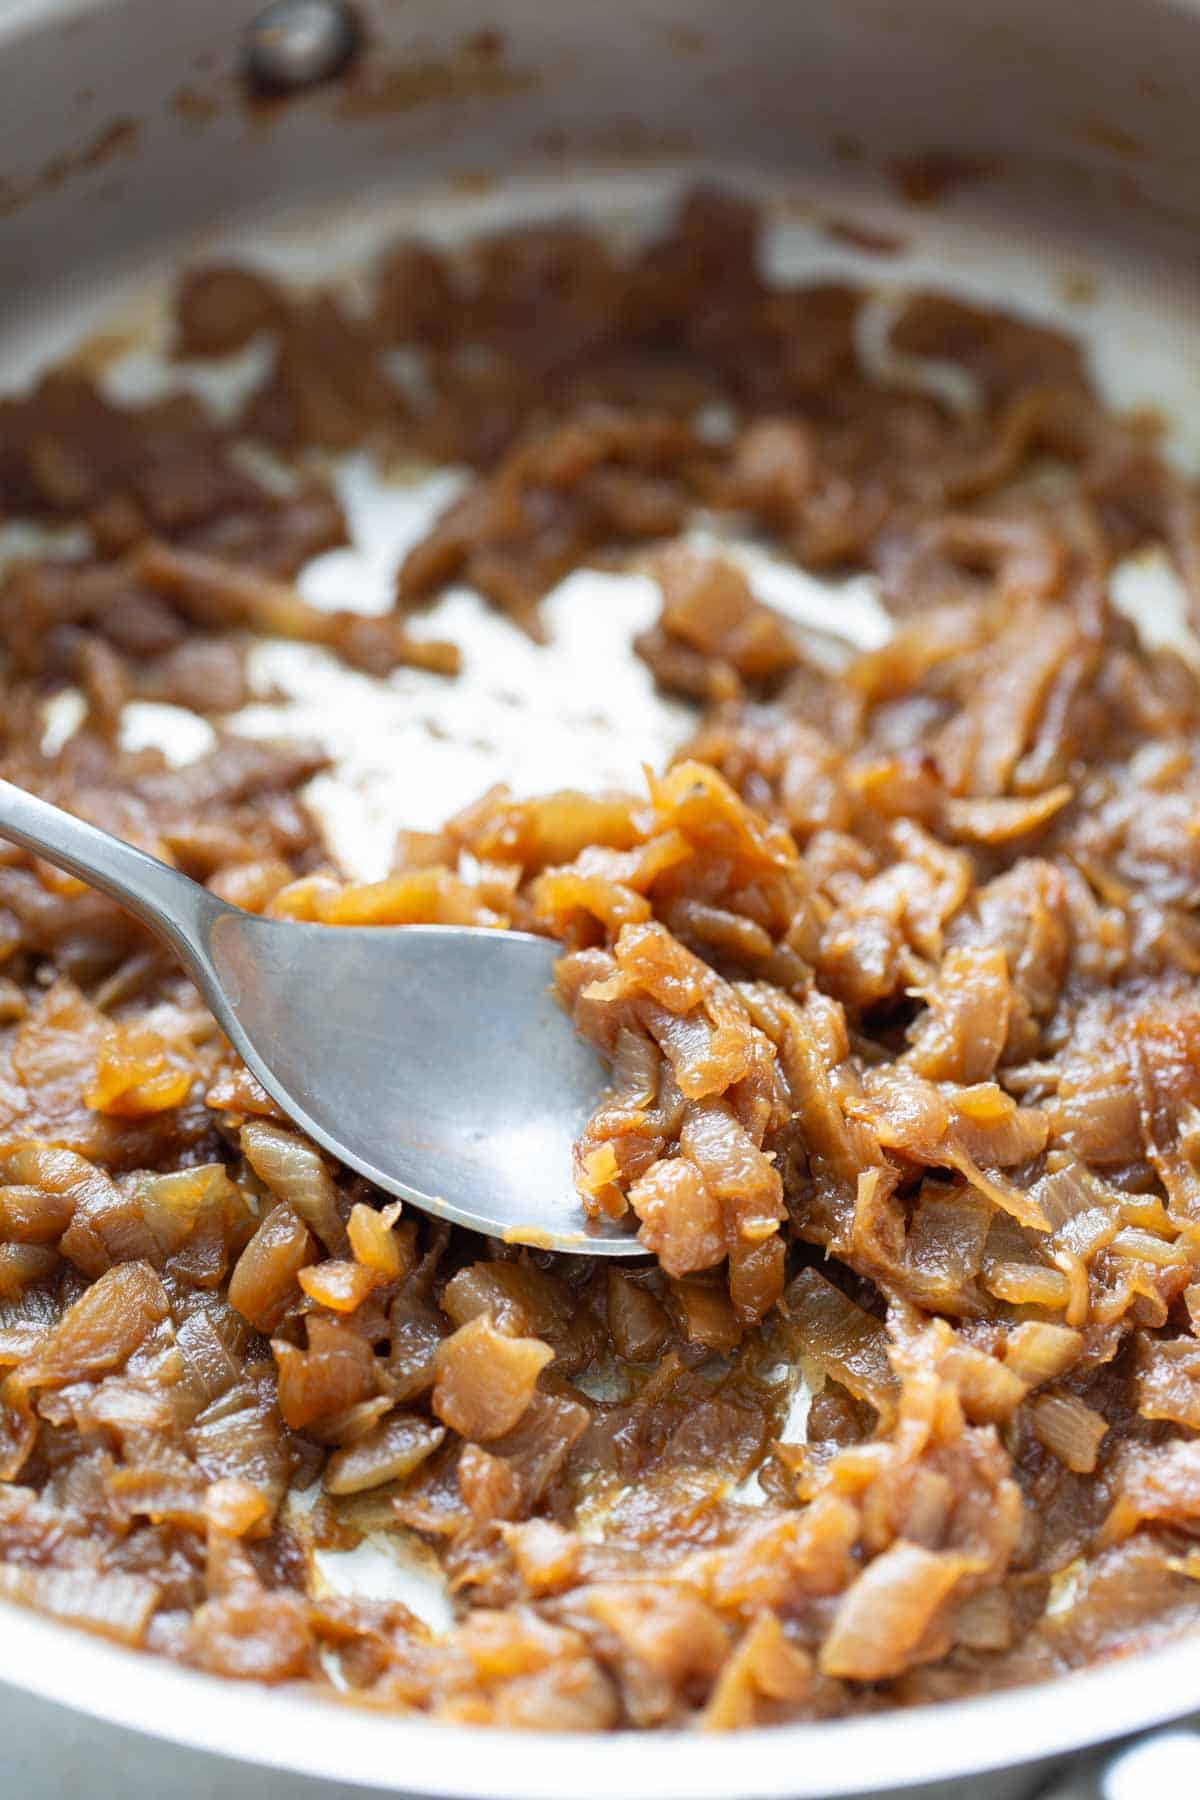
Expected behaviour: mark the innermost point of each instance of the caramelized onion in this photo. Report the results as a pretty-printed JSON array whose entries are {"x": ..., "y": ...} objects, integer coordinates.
[
  {"x": 895, "y": 967},
  {"x": 1072, "y": 1430},
  {"x": 391, "y": 1451},
  {"x": 485, "y": 1379},
  {"x": 882, "y": 1619}
]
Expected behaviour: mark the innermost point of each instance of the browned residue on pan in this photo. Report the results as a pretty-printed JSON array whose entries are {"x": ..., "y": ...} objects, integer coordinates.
[
  {"x": 846, "y": 148},
  {"x": 377, "y": 90},
  {"x": 1105, "y": 134},
  {"x": 867, "y": 238},
  {"x": 473, "y": 183},
  {"x": 1152, "y": 86},
  {"x": 371, "y": 88},
  {"x": 927, "y": 177},
  {"x": 686, "y": 40},
  {"x": 1078, "y": 287},
  {"x": 625, "y": 142},
  {"x": 488, "y": 45},
  {"x": 114, "y": 141},
  {"x": 194, "y": 107}
]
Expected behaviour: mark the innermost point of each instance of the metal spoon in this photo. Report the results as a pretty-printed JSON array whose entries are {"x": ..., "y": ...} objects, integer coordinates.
[{"x": 432, "y": 1058}]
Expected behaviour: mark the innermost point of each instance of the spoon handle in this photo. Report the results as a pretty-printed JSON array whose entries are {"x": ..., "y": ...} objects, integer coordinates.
[{"x": 174, "y": 906}]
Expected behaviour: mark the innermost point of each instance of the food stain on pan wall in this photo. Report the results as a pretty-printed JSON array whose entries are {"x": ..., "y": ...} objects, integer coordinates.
[{"x": 115, "y": 142}]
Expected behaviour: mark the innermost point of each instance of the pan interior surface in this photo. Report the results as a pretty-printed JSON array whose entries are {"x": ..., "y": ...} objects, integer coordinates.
[{"x": 517, "y": 704}]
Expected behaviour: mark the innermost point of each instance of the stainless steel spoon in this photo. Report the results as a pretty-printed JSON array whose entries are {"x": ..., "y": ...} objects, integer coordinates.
[{"x": 432, "y": 1058}]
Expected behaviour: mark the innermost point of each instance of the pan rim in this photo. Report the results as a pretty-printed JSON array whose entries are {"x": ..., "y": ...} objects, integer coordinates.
[{"x": 302, "y": 1732}]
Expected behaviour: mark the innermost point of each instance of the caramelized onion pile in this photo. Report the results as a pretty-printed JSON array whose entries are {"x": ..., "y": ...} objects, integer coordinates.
[{"x": 897, "y": 969}]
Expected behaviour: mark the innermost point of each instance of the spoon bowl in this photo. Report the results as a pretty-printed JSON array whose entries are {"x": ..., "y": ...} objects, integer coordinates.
[{"x": 433, "y": 1059}]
